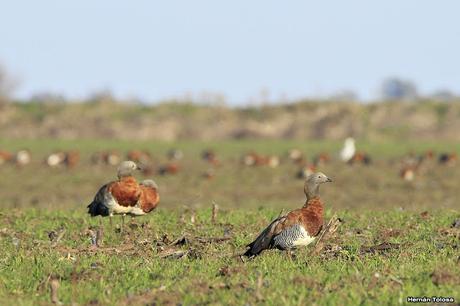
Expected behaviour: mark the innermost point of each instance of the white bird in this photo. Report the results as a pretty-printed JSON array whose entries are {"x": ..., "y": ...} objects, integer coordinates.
[
  {"x": 348, "y": 150},
  {"x": 23, "y": 157}
]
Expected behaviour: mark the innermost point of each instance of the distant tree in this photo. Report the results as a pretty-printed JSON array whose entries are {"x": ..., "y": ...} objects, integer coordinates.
[
  {"x": 398, "y": 89},
  {"x": 48, "y": 97},
  {"x": 443, "y": 95},
  {"x": 210, "y": 98},
  {"x": 103, "y": 96},
  {"x": 345, "y": 95},
  {"x": 6, "y": 86}
]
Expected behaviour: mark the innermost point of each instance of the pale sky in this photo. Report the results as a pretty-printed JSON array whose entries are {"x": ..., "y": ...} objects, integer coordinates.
[{"x": 159, "y": 49}]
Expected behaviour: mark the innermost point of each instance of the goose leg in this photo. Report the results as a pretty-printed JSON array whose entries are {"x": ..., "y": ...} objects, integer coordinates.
[
  {"x": 99, "y": 234},
  {"x": 122, "y": 222}
]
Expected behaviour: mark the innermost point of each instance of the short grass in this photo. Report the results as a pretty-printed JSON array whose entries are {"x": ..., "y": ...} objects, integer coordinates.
[{"x": 129, "y": 267}]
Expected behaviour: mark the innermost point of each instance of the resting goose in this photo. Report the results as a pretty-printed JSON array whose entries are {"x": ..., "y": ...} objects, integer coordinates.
[{"x": 299, "y": 227}]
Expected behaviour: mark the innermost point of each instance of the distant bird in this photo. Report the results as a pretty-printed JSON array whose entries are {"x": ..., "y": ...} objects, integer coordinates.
[
  {"x": 111, "y": 158},
  {"x": 448, "y": 159},
  {"x": 306, "y": 171},
  {"x": 168, "y": 168},
  {"x": 254, "y": 159},
  {"x": 5, "y": 157},
  {"x": 140, "y": 157},
  {"x": 360, "y": 157},
  {"x": 273, "y": 161},
  {"x": 72, "y": 158},
  {"x": 321, "y": 159},
  {"x": 427, "y": 156},
  {"x": 211, "y": 157},
  {"x": 55, "y": 159},
  {"x": 408, "y": 172},
  {"x": 23, "y": 157},
  {"x": 68, "y": 158},
  {"x": 411, "y": 165},
  {"x": 348, "y": 150},
  {"x": 175, "y": 154},
  {"x": 297, "y": 228},
  {"x": 119, "y": 197},
  {"x": 296, "y": 156}
]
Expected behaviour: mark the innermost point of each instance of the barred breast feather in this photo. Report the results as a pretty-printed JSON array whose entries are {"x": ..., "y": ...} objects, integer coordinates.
[{"x": 292, "y": 237}]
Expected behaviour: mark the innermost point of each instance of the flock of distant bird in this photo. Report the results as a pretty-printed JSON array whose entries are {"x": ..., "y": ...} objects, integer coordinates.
[
  {"x": 413, "y": 164},
  {"x": 410, "y": 165},
  {"x": 20, "y": 158},
  {"x": 125, "y": 196}
]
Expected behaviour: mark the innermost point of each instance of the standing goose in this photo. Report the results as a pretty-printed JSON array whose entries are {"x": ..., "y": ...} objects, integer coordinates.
[
  {"x": 118, "y": 197},
  {"x": 297, "y": 228}
]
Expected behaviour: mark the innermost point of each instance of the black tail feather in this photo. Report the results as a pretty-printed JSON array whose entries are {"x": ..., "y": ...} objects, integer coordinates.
[
  {"x": 97, "y": 207},
  {"x": 263, "y": 241}
]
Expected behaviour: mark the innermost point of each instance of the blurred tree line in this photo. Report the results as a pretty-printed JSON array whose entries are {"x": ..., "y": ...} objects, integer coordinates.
[
  {"x": 6, "y": 86},
  {"x": 391, "y": 89}
]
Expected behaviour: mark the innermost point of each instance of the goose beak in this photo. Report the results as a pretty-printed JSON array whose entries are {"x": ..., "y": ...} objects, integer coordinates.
[{"x": 329, "y": 180}]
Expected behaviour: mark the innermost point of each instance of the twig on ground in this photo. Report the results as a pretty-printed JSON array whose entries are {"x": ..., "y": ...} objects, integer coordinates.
[
  {"x": 215, "y": 211},
  {"x": 330, "y": 228},
  {"x": 54, "y": 286}
]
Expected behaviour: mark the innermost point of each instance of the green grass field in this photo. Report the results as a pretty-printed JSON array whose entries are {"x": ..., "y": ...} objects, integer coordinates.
[
  {"x": 130, "y": 267},
  {"x": 165, "y": 259}
]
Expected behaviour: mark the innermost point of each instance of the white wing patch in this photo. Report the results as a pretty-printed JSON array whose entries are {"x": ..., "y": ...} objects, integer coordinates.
[{"x": 115, "y": 208}]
